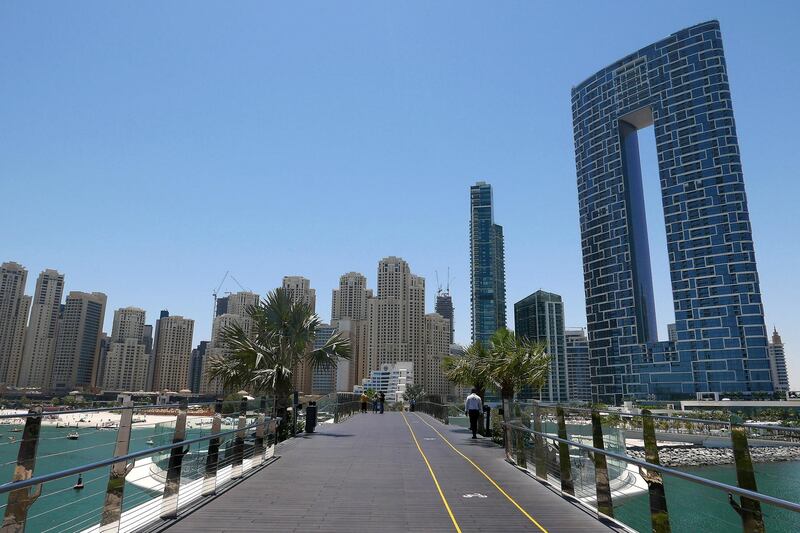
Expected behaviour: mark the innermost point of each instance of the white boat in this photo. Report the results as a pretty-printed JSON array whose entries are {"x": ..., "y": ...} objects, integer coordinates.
[
  {"x": 73, "y": 435},
  {"x": 150, "y": 442}
]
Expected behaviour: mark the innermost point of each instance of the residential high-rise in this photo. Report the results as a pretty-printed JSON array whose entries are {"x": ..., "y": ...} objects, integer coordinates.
[
  {"x": 444, "y": 307},
  {"x": 14, "y": 308},
  {"x": 147, "y": 338},
  {"x": 239, "y": 303},
  {"x": 105, "y": 345},
  {"x": 349, "y": 317},
  {"x": 127, "y": 362},
  {"x": 487, "y": 265},
  {"x": 540, "y": 317},
  {"x": 680, "y": 86},
  {"x": 40, "y": 337},
  {"x": 153, "y": 354},
  {"x": 578, "y": 370},
  {"x": 323, "y": 380},
  {"x": 77, "y": 352},
  {"x": 437, "y": 347},
  {"x": 299, "y": 290},
  {"x": 221, "y": 306},
  {"x": 396, "y": 317},
  {"x": 196, "y": 366},
  {"x": 777, "y": 361},
  {"x": 173, "y": 351},
  {"x": 217, "y": 348}
]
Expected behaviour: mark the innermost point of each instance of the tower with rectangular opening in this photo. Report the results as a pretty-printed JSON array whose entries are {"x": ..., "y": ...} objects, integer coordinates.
[{"x": 680, "y": 86}]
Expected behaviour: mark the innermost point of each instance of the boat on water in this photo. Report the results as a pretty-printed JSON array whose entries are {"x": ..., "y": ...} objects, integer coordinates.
[
  {"x": 73, "y": 435},
  {"x": 16, "y": 430},
  {"x": 150, "y": 442},
  {"x": 12, "y": 438},
  {"x": 79, "y": 484}
]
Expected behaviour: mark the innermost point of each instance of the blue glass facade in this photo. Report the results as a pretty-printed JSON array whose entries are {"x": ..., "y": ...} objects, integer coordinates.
[
  {"x": 487, "y": 265},
  {"x": 680, "y": 86}
]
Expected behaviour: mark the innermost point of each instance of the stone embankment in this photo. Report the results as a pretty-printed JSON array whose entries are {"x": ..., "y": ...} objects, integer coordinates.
[{"x": 699, "y": 456}]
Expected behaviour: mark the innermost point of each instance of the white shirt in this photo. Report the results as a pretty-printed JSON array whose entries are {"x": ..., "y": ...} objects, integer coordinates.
[{"x": 473, "y": 402}]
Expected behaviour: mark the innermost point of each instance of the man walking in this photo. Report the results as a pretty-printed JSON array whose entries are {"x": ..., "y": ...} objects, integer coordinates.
[
  {"x": 382, "y": 401},
  {"x": 364, "y": 400},
  {"x": 473, "y": 406}
]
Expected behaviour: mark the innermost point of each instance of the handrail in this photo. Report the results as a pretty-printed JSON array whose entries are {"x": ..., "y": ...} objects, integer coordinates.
[
  {"x": 14, "y": 485},
  {"x": 791, "y": 506},
  {"x": 679, "y": 418}
]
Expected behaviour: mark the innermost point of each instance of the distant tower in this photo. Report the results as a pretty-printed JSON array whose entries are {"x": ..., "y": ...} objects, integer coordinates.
[
  {"x": 349, "y": 317},
  {"x": 77, "y": 354},
  {"x": 127, "y": 362},
  {"x": 487, "y": 265},
  {"x": 540, "y": 317},
  {"x": 444, "y": 307},
  {"x": 578, "y": 373},
  {"x": 173, "y": 352},
  {"x": 299, "y": 290},
  {"x": 40, "y": 338},
  {"x": 777, "y": 361},
  {"x": 14, "y": 308}
]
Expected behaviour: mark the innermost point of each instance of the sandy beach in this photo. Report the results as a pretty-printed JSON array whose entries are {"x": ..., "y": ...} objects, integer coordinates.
[{"x": 100, "y": 419}]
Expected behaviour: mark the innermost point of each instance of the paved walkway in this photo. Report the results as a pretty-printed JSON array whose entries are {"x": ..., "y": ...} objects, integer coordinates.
[{"x": 368, "y": 475}]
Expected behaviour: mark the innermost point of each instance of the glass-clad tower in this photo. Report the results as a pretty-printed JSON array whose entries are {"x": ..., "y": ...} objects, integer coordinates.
[
  {"x": 680, "y": 86},
  {"x": 487, "y": 265}
]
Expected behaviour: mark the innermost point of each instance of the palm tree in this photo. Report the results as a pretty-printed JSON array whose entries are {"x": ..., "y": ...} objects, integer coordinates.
[
  {"x": 513, "y": 362},
  {"x": 413, "y": 392},
  {"x": 281, "y": 338},
  {"x": 469, "y": 369}
]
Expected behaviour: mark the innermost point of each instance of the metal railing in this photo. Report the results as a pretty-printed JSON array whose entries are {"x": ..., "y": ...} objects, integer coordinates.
[
  {"x": 179, "y": 472},
  {"x": 537, "y": 439}
]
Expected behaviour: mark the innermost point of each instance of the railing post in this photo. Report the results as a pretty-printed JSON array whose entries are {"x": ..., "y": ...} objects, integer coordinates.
[
  {"x": 659, "y": 516},
  {"x": 749, "y": 510},
  {"x": 238, "y": 442},
  {"x": 519, "y": 440},
  {"x": 20, "y": 500},
  {"x": 258, "y": 445},
  {"x": 539, "y": 452},
  {"x": 604, "y": 504},
  {"x": 212, "y": 456},
  {"x": 115, "y": 488},
  {"x": 169, "y": 503},
  {"x": 564, "y": 462}
]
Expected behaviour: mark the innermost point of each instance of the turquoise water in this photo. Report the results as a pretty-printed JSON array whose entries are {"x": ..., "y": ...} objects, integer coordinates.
[
  {"x": 63, "y": 509},
  {"x": 693, "y": 508}
]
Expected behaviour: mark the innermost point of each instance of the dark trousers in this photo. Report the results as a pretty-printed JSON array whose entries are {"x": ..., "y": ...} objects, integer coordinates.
[
  {"x": 381, "y": 406},
  {"x": 474, "y": 415},
  {"x": 363, "y": 407}
]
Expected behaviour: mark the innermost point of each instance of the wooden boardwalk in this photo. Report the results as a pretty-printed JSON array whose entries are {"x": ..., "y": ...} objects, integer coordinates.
[{"x": 368, "y": 475}]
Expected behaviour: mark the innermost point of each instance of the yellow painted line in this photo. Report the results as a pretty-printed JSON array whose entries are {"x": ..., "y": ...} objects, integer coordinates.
[
  {"x": 436, "y": 481},
  {"x": 479, "y": 469}
]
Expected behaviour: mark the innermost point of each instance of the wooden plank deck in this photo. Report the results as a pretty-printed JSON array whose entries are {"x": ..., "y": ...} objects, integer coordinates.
[{"x": 367, "y": 475}]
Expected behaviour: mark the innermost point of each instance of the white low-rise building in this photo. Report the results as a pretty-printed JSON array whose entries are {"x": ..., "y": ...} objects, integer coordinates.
[{"x": 392, "y": 380}]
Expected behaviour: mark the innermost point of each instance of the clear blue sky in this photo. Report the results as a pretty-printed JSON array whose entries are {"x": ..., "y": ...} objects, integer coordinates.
[{"x": 148, "y": 147}]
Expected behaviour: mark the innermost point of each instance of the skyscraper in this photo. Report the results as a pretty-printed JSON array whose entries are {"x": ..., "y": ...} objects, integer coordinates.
[
  {"x": 218, "y": 349},
  {"x": 777, "y": 361},
  {"x": 396, "y": 317},
  {"x": 680, "y": 86},
  {"x": 77, "y": 352},
  {"x": 239, "y": 303},
  {"x": 540, "y": 317},
  {"x": 299, "y": 290},
  {"x": 444, "y": 307},
  {"x": 487, "y": 265},
  {"x": 14, "y": 308},
  {"x": 349, "y": 317},
  {"x": 153, "y": 353},
  {"x": 323, "y": 380},
  {"x": 437, "y": 347},
  {"x": 173, "y": 351},
  {"x": 127, "y": 363},
  {"x": 578, "y": 371},
  {"x": 196, "y": 366},
  {"x": 40, "y": 337}
]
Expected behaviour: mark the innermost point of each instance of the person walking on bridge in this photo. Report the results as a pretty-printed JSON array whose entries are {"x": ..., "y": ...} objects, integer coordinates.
[
  {"x": 473, "y": 406},
  {"x": 382, "y": 401},
  {"x": 364, "y": 400}
]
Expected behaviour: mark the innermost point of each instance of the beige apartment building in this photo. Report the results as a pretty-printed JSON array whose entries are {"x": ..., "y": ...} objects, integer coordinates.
[
  {"x": 437, "y": 347},
  {"x": 299, "y": 290},
  {"x": 396, "y": 317},
  {"x": 40, "y": 337},
  {"x": 127, "y": 364},
  {"x": 173, "y": 353},
  {"x": 349, "y": 317},
  {"x": 14, "y": 309}
]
